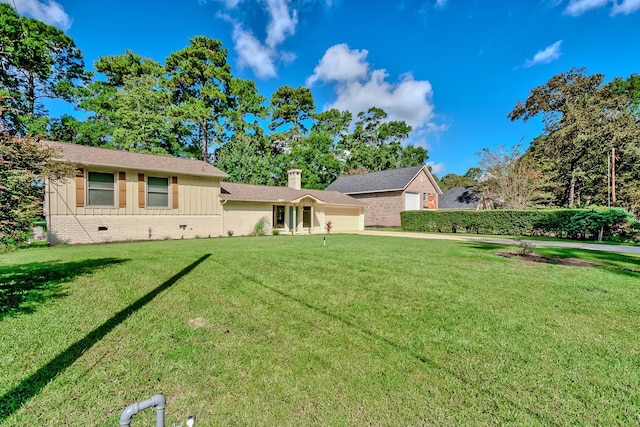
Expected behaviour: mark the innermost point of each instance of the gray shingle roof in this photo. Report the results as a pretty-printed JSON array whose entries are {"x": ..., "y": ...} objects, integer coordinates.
[
  {"x": 458, "y": 198},
  {"x": 389, "y": 180},
  {"x": 92, "y": 156},
  {"x": 266, "y": 193}
]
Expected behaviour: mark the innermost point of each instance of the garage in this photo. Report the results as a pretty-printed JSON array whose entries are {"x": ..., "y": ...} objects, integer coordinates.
[
  {"x": 411, "y": 201},
  {"x": 344, "y": 218}
]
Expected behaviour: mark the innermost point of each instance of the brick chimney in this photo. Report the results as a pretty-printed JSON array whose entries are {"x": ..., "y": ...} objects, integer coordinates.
[{"x": 294, "y": 178}]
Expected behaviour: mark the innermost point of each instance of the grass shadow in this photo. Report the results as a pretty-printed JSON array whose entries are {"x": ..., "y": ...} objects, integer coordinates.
[
  {"x": 24, "y": 287},
  {"x": 616, "y": 262},
  {"x": 486, "y": 246},
  {"x": 375, "y": 337},
  {"x": 31, "y": 386}
]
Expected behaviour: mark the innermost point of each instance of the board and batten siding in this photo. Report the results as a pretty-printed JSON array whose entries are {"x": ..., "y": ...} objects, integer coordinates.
[
  {"x": 195, "y": 196},
  {"x": 193, "y": 210}
]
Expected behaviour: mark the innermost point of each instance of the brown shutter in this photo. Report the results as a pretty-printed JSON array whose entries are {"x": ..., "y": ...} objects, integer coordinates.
[
  {"x": 174, "y": 191},
  {"x": 122, "y": 187},
  {"x": 80, "y": 188},
  {"x": 141, "y": 197}
]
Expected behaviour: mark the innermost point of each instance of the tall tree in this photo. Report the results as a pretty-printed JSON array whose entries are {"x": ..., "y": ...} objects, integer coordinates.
[
  {"x": 315, "y": 156},
  {"x": 291, "y": 110},
  {"x": 37, "y": 61},
  {"x": 583, "y": 121},
  {"x": 510, "y": 180},
  {"x": 376, "y": 144},
  {"x": 130, "y": 108},
  {"x": 469, "y": 179},
  {"x": 200, "y": 80}
]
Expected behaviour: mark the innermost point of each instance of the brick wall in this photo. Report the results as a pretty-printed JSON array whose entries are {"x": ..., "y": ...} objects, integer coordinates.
[
  {"x": 383, "y": 209},
  {"x": 74, "y": 229}
]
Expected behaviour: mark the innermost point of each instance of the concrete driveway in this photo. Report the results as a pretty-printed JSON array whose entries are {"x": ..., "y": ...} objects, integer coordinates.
[{"x": 505, "y": 241}]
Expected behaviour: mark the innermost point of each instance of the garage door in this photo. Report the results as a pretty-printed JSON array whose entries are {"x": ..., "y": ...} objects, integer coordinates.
[
  {"x": 411, "y": 201},
  {"x": 343, "y": 219}
]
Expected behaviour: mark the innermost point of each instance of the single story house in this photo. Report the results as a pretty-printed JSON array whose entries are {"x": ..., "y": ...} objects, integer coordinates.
[
  {"x": 120, "y": 195},
  {"x": 459, "y": 198},
  {"x": 387, "y": 193},
  {"x": 290, "y": 209}
]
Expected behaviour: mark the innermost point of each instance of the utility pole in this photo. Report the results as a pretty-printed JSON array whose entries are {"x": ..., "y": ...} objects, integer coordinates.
[
  {"x": 608, "y": 181},
  {"x": 613, "y": 176}
]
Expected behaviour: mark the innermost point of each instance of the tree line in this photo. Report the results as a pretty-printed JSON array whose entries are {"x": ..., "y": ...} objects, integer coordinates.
[
  {"x": 191, "y": 106},
  {"x": 588, "y": 152}
]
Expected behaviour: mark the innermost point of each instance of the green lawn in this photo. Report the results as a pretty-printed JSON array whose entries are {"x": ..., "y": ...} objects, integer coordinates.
[{"x": 285, "y": 331}]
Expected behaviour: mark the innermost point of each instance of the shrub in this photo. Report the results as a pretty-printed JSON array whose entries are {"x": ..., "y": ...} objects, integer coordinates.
[
  {"x": 259, "y": 227},
  {"x": 230, "y": 233},
  {"x": 328, "y": 226},
  {"x": 564, "y": 223},
  {"x": 275, "y": 231}
]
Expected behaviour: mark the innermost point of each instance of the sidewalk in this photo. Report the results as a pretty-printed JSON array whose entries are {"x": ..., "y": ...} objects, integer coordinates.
[{"x": 504, "y": 241}]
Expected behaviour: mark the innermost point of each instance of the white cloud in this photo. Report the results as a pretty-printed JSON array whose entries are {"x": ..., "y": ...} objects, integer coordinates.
[
  {"x": 260, "y": 56},
  {"x": 339, "y": 63},
  {"x": 252, "y": 53},
  {"x": 358, "y": 89},
  {"x": 578, "y": 7},
  {"x": 48, "y": 12},
  {"x": 626, "y": 7},
  {"x": 441, "y": 3},
  {"x": 282, "y": 22},
  {"x": 545, "y": 56},
  {"x": 437, "y": 168}
]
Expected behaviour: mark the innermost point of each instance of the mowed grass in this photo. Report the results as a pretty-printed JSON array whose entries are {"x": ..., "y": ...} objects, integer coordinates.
[{"x": 286, "y": 331}]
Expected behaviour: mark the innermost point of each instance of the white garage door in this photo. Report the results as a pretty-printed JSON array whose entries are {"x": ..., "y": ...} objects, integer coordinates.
[{"x": 411, "y": 201}]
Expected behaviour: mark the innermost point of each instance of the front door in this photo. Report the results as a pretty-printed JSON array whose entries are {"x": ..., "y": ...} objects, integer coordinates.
[{"x": 306, "y": 217}]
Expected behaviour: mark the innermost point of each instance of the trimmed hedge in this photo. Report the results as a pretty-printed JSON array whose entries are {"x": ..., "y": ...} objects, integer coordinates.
[{"x": 563, "y": 223}]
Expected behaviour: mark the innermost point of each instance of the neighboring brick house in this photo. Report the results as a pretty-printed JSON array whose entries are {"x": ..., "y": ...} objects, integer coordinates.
[
  {"x": 120, "y": 195},
  {"x": 387, "y": 193},
  {"x": 290, "y": 209}
]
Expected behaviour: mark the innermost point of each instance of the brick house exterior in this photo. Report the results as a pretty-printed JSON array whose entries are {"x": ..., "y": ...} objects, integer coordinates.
[{"x": 387, "y": 193}]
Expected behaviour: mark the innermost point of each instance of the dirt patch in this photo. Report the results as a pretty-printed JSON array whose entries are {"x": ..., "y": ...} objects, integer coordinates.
[
  {"x": 198, "y": 322},
  {"x": 572, "y": 262}
]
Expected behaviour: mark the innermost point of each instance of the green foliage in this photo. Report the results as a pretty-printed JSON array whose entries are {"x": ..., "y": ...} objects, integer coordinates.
[
  {"x": 38, "y": 61},
  {"x": 24, "y": 164},
  {"x": 582, "y": 224},
  {"x": 510, "y": 179},
  {"x": 469, "y": 179},
  {"x": 199, "y": 79},
  {"x": 259, "y": 228},
  {"x": 291, "y": 107},
  {"x": 584, "y": 120},
  {"x": 376, "y": 144}
]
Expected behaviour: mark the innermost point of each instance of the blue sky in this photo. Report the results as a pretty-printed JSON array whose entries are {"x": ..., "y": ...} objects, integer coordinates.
[{"x": 453, "y": 69}]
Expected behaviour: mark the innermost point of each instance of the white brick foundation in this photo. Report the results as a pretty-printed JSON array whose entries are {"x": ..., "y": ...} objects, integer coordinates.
[{"x": 109, "y": 228}]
